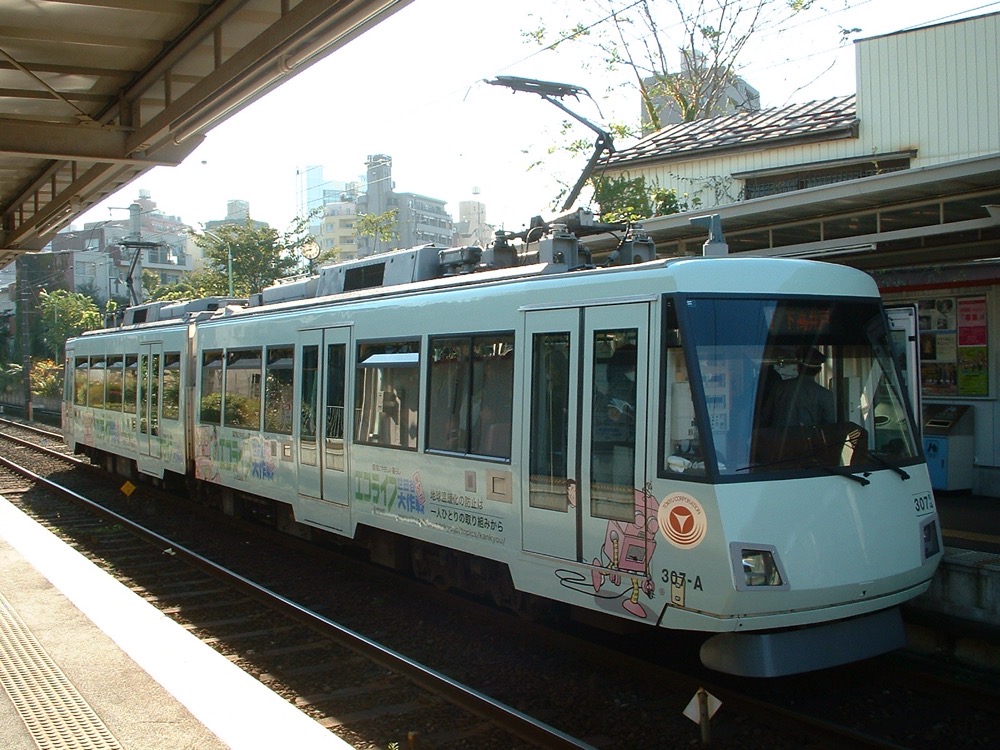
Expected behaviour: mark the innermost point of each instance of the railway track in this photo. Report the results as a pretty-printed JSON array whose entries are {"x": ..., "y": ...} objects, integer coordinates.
[
  {"x": 618, "y": 695},
  {"x": 282, "y": 643}
]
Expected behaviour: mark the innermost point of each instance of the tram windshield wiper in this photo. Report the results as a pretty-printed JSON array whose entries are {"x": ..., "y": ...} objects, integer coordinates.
[
  {"x": 810, "y": 460},
  {"x": 903, "y": 475},
  {"x": 843, "y": 471}
]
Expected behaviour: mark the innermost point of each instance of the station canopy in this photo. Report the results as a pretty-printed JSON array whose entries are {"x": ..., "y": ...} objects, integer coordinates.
[{"x": 93, "y": 93}]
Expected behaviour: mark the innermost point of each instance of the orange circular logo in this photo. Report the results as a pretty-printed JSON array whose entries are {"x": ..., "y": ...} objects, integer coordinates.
[{"x": 682, "y": 520}]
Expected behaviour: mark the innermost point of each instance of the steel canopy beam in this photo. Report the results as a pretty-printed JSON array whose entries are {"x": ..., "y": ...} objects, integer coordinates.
[{"x": 82, "y": 142}]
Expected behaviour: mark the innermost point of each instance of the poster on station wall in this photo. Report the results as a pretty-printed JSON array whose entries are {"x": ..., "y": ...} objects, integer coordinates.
[
  {"x": 953, "y": 346},
  {"x": 973, "y": 362}
]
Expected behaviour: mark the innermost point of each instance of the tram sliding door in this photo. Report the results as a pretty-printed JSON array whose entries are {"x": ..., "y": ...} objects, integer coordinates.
[
  {"x": 150, "y": 357},
  {"x": 586, "y": 426},
  {"x": 324, "y": 484}
]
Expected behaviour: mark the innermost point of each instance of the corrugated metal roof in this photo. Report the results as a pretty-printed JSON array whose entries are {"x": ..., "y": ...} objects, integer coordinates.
[{"x": 805, "y": 122}]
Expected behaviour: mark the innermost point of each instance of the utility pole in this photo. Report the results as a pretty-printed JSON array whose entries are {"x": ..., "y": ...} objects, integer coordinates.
[
  {"x": 134, "y": 242},
  {"x": 25, "y": 300}
]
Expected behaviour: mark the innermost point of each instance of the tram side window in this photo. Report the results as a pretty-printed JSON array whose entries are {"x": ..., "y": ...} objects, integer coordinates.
[
  {"x": 682, "y": 453},
  {"x": 81, "y": 377},
  {"x": 278, "y": 385},
  {"x": 387, "y": 394},
  {"x": 211, "y": 387},
  {"x": 471, "y": 386},
  {"x": 172, "y": 385},
  {"x": 131, "y": 376},
  {"x": 242, "y": 403},
  {"x": 115, "y": 375},
  {"x": 96, "y": 382}
]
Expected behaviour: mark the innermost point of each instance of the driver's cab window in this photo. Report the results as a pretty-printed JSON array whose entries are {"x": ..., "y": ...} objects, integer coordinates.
[{"x": 683, "y": 453}]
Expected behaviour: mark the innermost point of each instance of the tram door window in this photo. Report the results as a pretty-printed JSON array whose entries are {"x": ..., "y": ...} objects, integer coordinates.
[
  {"x": 336, "y": 373},
  {"x": 549, "y": 436},
  {"x": 308, "y": 424},
  {"x": 613, "y": 429},
  {"x": 150, "y": 359}
]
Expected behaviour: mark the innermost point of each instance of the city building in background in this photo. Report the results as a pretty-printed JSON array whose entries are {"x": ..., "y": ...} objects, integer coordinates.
[
  {"x": 472, "y": 228},
  {"x": 420, "y": 219},
  {"x": 237, "y": 212},
  {"x": 103, "y": 252},
  {"x": 337, "y": 230}
]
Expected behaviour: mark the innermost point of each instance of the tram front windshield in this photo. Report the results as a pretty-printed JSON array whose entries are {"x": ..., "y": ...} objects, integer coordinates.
[{"x": 791, "y": 385}]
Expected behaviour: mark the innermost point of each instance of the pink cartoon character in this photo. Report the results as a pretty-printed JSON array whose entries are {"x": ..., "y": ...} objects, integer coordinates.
[{"x": 627, "y": 549}]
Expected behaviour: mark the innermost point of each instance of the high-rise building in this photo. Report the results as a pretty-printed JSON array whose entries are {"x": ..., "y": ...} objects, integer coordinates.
[{"x": 420, "y": 219}]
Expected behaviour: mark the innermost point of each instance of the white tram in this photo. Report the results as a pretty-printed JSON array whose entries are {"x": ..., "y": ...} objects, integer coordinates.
[{"x": 619, "y": 439}]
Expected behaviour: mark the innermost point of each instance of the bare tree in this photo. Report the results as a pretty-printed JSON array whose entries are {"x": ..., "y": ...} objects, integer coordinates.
[{"x": 706, "y": 38}]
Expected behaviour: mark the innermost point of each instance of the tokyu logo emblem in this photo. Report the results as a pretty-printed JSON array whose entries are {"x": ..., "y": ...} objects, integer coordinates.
[{"x": 682, "y": 520}]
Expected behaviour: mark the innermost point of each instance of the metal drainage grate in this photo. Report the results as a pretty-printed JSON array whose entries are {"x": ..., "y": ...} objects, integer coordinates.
[{"x": 56, "y": 715}]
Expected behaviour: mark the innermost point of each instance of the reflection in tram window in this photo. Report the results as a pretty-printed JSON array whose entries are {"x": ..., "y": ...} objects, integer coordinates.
[
  {"x": 308, "y": 424},
  {"x": 242, "y": 403},
  {"x": 131, "y": 383},
  {"x": 171, "y": 385},
  {"x": 549, "y": 421},
  {"x": 211, "y": 387},
  {"x": 96, "y": 382},
  {"x": 612, "y": 483},
  {"x": 683, "y": 452},
  {"x": 114, "y": 383},
  {"x": 471, "y": 395},
  {"x": 81, "y": 369},
  {"x": 336, "y": 383},
  {"x": 386, "y": 394},
  {"x": 278, "y": 384}
]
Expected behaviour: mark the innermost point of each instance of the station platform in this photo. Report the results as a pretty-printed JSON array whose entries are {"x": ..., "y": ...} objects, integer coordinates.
[
  {"x": 966, "y": 586},
  {"x": 87, "y": 664}
]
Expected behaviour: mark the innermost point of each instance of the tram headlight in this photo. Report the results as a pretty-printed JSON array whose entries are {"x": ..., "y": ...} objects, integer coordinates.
[{"x": 757, "y": 566}]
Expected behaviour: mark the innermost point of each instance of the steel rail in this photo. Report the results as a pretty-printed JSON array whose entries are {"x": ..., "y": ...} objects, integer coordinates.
[{"x": 499, "y": 714}]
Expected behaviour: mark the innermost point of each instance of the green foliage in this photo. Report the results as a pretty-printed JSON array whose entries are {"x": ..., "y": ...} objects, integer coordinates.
[
  {"x": 66, "y": 314},
  {"x": 667, "y": 202},
  {"x": 46, "y": 378},
  {"x": 204, "y": 283},
  {"x": 624, "y": 199},
  {"x": 261, "y": 255},
  {"x": 211, "y": 408},
  {"x": 380, "y": 227},
  {"x": 11, "y": 378},
  {"x": 621, "y": 198}
]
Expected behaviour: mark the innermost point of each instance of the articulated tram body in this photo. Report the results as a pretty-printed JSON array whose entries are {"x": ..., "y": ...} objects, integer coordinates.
[{"x": 609, "y": 437}]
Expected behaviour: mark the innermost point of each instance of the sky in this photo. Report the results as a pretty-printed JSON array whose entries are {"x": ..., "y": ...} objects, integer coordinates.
[{"x": 413, "y": 88}]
